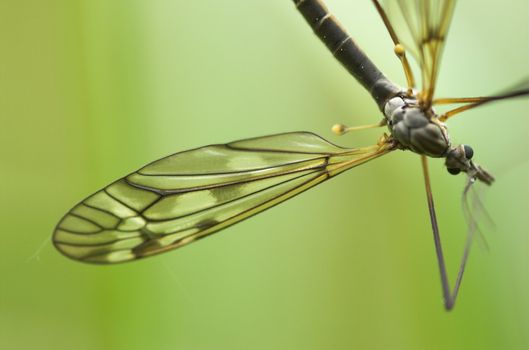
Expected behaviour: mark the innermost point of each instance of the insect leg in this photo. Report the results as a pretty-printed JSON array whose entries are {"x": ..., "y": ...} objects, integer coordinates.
[
  {"x": 449, "y": 295},
  {"x": 471, "y": 102}
]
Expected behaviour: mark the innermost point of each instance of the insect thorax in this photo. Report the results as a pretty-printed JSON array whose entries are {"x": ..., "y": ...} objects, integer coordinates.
[{"x": 416, "y": 129}]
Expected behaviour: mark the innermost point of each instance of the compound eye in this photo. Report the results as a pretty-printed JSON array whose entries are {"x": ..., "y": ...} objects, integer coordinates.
[
  {"x": 469, "y": 152},
  {"x": 453, "y": 171}
]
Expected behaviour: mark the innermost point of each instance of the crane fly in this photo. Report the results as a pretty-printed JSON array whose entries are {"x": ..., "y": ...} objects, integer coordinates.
[{"x": 189, "y": 195}]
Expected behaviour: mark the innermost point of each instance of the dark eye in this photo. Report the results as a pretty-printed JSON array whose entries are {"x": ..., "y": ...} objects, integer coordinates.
[
  {"x": 453, "y": 171},
  {"x": 469, "y": 152}
]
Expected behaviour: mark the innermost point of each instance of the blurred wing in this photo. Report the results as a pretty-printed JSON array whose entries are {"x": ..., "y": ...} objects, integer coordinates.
[
  {"x": 422, "y": 26},
  {"x": 189, "y": 195}
]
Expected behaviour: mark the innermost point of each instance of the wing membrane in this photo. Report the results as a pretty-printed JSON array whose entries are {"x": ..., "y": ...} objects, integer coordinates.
[
  {"x": 189, "y": 195},
  {"x": 422, "y": 26}
]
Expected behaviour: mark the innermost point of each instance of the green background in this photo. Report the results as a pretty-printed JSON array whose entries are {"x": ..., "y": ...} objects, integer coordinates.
[{"x": 91, "y": 90}]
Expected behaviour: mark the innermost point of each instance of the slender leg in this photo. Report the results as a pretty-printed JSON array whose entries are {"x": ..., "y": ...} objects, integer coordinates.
[
  {"x": 472, "y": 102},
  {"x": 449, "y": 296}
]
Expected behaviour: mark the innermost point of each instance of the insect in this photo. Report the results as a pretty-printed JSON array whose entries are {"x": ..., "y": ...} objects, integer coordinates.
[{"x": 189, "y": 195}]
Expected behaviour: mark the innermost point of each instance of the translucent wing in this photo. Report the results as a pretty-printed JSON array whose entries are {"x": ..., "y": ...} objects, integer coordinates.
[
  {"x": 421, "y": 26},
  {"x": 189, "y": 195}
]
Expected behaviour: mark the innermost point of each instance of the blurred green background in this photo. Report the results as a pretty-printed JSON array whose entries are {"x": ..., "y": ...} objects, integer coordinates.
[{"x": 91, "y": 90}]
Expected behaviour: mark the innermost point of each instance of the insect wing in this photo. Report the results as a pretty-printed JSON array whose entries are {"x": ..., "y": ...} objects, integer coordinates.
[
  {"x": 189, "y": 195},
  {"x": 422, "y": 26}
]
